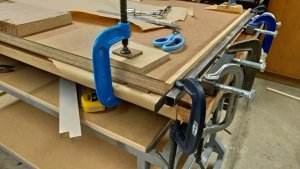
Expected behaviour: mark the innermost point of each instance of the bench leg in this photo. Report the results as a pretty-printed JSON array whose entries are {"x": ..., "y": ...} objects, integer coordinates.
[{"x": 142, "y": 164}]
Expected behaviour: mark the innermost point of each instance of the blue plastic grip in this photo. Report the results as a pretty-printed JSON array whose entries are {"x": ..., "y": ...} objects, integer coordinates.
[
  {"x": 270, "y": 22},
  {"x": 176, "y": 43},
  {"x": 170, "y": 43},
  {"x": 101, "y": 62},
  {"x": 160, "y": 42}
]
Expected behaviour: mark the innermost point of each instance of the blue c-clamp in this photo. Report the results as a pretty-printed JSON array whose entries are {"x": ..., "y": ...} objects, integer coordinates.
[
  {"x": 188, "y": 140},
  {"x": 101, "y": 58},
  {"x": 269, "y": 20}
]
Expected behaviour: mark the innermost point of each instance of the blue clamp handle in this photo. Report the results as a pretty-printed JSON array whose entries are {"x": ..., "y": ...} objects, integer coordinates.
[
  {"x": 270, "y": 22},
  {"x": 101, "y": 62},
  {"x": 189, "y": 142},
  {"x": 170, "y": 43}
]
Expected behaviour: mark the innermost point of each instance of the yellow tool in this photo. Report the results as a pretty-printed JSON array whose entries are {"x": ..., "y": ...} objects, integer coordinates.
[{"x": 90, "y": 103}]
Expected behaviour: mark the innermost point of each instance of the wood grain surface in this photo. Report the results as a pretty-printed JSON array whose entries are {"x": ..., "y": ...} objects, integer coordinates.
[
  {"x": 126, "y": 123},
  {"x": 19, "y": 19},
  {"x": 284, "y": 56},
  {"x": 201, "y": 33},
  {"x": 32, "y": 135}
]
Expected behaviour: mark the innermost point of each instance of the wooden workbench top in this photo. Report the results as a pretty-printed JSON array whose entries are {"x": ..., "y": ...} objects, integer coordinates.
[{"x": 73, "y": 44}]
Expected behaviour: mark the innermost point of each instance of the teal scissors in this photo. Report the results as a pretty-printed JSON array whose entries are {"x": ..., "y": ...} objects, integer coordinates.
[{"x": 170, "y": 43}]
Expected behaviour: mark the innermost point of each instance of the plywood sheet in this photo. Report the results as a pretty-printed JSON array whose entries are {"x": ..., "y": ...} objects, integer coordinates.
[
  {"x": 19, "y": 19},
  {"x": 32, "y": 134},
  {"x": 75, "y": 39}
]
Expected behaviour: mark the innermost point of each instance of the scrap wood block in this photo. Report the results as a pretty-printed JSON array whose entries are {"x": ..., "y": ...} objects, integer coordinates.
[
  {"x": 226, "y": 7},
  {"x": 20, "y": 19},
  {"x": 145, "y": 59}
]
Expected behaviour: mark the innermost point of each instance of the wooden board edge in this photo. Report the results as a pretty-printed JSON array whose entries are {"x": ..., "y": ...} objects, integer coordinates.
[
  {"x": 58, "y": 21},
  {"x": 155, "y": 86},
  {"x": 16, "y": 156},
  {"x": 114, "y": 136}
]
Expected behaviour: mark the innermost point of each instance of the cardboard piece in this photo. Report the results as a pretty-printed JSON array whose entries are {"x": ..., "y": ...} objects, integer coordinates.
[{"x": 92, "y": 6}]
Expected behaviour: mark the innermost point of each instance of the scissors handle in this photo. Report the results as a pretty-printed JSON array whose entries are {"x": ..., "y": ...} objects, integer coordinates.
[
  {"x": 176, "y": 43},
  {"x": 160, "y": 42}
]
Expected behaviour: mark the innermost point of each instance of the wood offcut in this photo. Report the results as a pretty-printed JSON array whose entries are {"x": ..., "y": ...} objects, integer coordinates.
[{"x": 19, "y": 19}]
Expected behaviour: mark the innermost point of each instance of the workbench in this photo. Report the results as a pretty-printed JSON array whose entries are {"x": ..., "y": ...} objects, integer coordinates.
[
  {"x": 41, "y": 59},
  {"x": 68, "y": 56}
]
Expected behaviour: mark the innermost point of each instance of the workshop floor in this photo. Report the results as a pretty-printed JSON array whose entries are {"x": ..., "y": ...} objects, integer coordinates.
[{"x": 265, "y": 134}]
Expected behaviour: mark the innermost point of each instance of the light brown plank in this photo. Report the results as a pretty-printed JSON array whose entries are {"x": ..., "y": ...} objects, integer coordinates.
[{"x": 19, "y": 19}]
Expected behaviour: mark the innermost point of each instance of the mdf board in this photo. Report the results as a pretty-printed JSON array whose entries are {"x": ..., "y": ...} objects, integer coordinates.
[
  {"x": 20, "y": 19},
  {"x": 201, "y": 32},
  {"x": 284, "y": 57},
  {"x": 32, "y": 135}
]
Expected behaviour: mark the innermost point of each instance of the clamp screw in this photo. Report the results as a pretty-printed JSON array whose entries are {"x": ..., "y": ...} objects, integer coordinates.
[
  {"x": 278, "y": 24},
  {"x": 266, "y": 32},
  {"x": 244, "y": 93},
  {"x": 125, "y": 51},
  {"x": 260, "y": 66}
]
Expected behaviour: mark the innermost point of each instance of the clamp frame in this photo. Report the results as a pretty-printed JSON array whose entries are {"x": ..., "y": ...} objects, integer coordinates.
[
  {"x": 269, "y": 20},
  {"x": 101, "y": 61}
]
